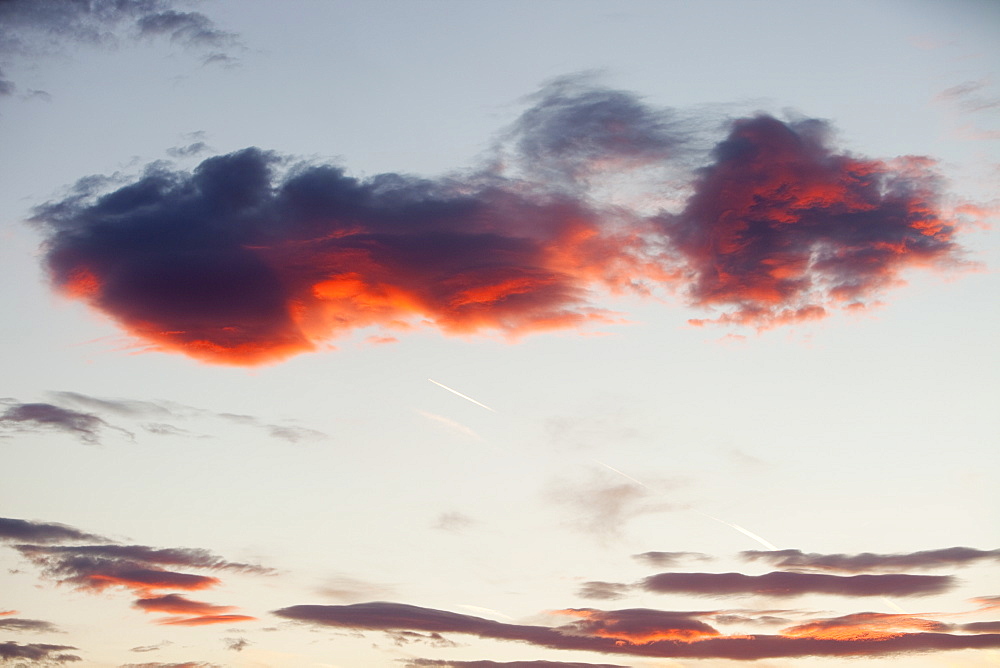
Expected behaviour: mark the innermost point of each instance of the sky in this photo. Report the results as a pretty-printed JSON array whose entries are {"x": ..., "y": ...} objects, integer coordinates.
[{"x": 499, "y": 334}]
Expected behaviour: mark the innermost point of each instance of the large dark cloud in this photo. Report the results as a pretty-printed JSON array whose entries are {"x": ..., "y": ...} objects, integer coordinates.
[
  {"x": 251, "y": 258},
  {"x": 33, "y": 27},
  {"x": 40, "y": 653},
  {"x": 867, "y": 561},
  {"x": 779, "y": 583},
  {"x": 615, "y": 628}
]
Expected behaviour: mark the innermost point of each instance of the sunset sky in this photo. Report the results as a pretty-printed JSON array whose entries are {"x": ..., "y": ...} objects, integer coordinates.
[{"x": 520, "y": 334}]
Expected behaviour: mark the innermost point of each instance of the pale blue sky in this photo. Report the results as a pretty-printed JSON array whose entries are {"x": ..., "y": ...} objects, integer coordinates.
[{"x": 872, "y": 433}]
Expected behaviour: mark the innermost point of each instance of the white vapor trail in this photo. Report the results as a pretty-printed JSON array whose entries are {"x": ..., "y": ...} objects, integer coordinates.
[
  {"x": 745, "y": 532},
  {"x": 624, "y": 475},
  {"x": 466, "y": 397}
]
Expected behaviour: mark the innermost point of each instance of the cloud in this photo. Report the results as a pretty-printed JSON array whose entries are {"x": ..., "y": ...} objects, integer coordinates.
[
  {"x": 253, "y": 257},
  {"x": 507, "y": 664},
  {"x": 179, "y": 556},
  {"x": 784, "y": 584},
  {"x": 205, "y": 620},
  {"x": 36, "y": 27},
  {"x": 134, "y": 409},
  {"x": 187, "y": 612},
  {"x": 140, "y": 569},
  {"x": 189, "y": 28},
  {"x": 151, "y": 648},
  {"x": 175, "y": 604},
  {"x": 636, "y": 632},
  {"x": 349, "y": 589},
  {"x": 864, "y": 626},
  {"x": 27, "y": 417},
  {"x": 639, "y": 625},
  {"x": 575, "y": 130},
  {"x": 186, "y": 664},
  {"x": 661, "y": 559},
  {"x": 36, "y": 652},
  {"x": 603, "y": 590},
  {"x": 603, "y": 508},
  {"x": 781, "y": 228},
  {"x": 40, "y": 532},
  {"x": 968, "y": 97},
  {"x": 982, "y": 627},
  {"x": 36, "y": 625},
  {"x": 453, "y": 521},
  {"x": 867, "y": 561},
  {"x": 236, "y": 644},
  {"x": 316, "y": 255}
]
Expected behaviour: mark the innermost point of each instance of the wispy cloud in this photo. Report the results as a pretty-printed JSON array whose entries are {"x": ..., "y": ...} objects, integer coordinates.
[
  {"x": 662, "y": 559},
  {"x": 89, "y": 418},
  {"x": 35, "y": 27},
  {"x": 26, "y": 417}
]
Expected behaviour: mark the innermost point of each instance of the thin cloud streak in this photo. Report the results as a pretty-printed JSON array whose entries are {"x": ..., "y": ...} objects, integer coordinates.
[
  {"x": 787, "y": 584},
  {"x": 867, "y": 561},
  {"x": 464, "y": 396}
]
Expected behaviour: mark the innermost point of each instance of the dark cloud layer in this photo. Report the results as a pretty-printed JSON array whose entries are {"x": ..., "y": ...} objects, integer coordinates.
[
  {"x": 41, "y": 532},
  {"x": 143, "y": 570},
  {"x": 615, "y": 628},
  {"x": 135, "y": 567},
  {"x": 34, "y": 625},
  {"x": 867, "y": 561},
  {"x": 507, "y": 664},
  {"x": 36, "y": 652},
  {"x": 783, "y": 584},
  {"x": 32, "y": 27},
  {"x": 249, "y": 258}
]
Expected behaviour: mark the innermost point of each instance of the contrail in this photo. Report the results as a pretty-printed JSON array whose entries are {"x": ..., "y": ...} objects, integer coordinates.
[
  {"x": 461, "y": 395},
  {"x": 457, "y": 426},
  {"x": 625, "y": 475},
  {"x": 745, "y": 532}
]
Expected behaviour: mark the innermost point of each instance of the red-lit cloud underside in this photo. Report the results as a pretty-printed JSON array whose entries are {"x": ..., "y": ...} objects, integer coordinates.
[
  {"x": 654, "y": 633},
  {"x": 231, "y": 264}
]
